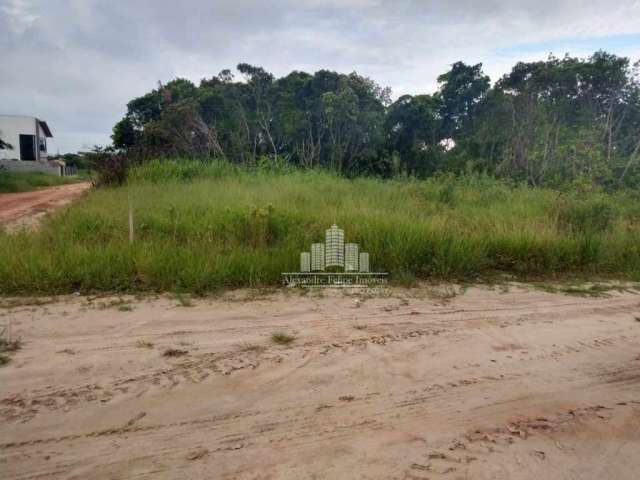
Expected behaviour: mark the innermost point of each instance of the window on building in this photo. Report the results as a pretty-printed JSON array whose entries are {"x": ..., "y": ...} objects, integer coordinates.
[
  {"x": 27, "y": 147},
  {"x": 43, "y": 144}
]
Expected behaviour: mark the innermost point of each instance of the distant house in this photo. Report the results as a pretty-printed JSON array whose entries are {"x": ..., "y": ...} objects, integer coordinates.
[{"x": 23, "y": 146}]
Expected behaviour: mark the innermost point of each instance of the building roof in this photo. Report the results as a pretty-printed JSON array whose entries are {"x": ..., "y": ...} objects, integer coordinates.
[
  {"x": 45, "y": 128},
  {"x": 42, "y": 123}
]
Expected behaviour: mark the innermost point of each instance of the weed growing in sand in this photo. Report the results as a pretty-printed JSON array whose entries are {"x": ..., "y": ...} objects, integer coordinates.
[
  {"x": 183, "y": 300},
  {"x": 119, "y": 304},
  {"x": 174, "y": 352},
  {"x": 360, "y": 327},
  {"x": 252, "y": 347},
  {"x": 594, "y": 290},
  {"x": 24, "y": 302},
  {"x": 4, "y": 359},
  {"x": 10, "y": 345},
  {"x": 281, "y": 338},
  {"x": 144, "y": 344}
]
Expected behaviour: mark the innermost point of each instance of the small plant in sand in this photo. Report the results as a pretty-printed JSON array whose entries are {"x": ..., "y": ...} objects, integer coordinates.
[
  {"x": 10, "y": 345},
  {"x": 282, "y": 338},
  {"x": 252, "y": 347},
  {"x": 174, "y": 352},
  {"x": 184, "y": 300},
  {"x": 118, "y": 303},
  {"x": 144, "y": 344}
]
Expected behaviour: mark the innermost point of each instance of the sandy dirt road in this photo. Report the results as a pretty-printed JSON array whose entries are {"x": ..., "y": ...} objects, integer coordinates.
[
  {"x": 26, "y": 209},
  {"x": 414, "y": 384}
]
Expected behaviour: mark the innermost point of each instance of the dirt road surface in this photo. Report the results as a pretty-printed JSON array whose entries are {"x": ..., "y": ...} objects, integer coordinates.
[
  {"x": 26, "y": 209},
  {"x": 415, "y": 384}
]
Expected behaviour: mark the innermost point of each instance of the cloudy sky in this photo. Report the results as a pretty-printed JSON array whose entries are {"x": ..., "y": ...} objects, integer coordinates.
[{"x": 76, "y": 63}]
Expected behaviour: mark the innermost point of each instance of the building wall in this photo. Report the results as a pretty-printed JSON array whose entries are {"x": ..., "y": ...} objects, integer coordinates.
[
  {"x": 51, "y": 168},
  {"x": 10, "y": 129}
]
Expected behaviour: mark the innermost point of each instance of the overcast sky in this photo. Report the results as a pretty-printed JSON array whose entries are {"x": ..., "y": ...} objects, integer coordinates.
[{"x": 76, "y": 63}]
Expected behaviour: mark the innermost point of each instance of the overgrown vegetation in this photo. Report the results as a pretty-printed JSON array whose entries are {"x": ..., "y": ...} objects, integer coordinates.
[
  {"x": 546, "y": 123},
  {"x": 25, "y": 181},
  {"x": 200, "y": 227}
]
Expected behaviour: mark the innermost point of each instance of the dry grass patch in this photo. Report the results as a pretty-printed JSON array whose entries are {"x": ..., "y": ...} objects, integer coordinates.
[
  {"x": 282, "y": 338},
  {"x": 174, "y": 352}
]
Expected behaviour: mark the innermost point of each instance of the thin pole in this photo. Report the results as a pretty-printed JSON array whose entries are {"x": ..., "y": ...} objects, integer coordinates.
[{"x": 131, "y": 235}]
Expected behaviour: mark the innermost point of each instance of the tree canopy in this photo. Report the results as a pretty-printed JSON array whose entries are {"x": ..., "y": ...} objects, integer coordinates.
[{"x": 545, "y": 122}]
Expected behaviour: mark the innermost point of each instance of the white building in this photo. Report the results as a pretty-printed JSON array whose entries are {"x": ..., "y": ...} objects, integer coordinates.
[{"x": 24, "y": 145}]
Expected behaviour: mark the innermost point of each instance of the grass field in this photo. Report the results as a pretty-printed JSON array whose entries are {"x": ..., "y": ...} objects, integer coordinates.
[
  {"x": 11, "y": 182},
  {"x": 200, "y": 227}
]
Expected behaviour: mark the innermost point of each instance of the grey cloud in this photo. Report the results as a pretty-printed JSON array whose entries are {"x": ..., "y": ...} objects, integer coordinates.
[{"x": 77, "y": 62}]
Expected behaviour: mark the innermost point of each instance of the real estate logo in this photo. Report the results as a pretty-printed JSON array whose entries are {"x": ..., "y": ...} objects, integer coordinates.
[{"x": 334, "y": 264}]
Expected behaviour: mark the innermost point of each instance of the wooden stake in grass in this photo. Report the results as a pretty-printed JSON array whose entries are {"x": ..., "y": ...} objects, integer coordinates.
[{"x": 131, "y": 233}]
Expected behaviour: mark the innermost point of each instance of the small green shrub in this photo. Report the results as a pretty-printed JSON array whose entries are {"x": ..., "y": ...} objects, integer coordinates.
[
  {"x": 281, "y": 338},
  {"x": 586, "y": 216},
  {"x": 184, "y": 300},
  {"x": 446, "y": 194},
  {"x": 111, "y": 168}
]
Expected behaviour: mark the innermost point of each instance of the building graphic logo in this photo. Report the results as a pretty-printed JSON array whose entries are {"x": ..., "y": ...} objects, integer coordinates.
[{"x": 334, "y": 263}]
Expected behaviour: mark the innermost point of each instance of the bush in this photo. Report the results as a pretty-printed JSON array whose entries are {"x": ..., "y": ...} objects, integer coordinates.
[
  {"x": 586, "y": 216},
  {"x": 446, "y": 194},
  {"x": 111, "y": 168}
]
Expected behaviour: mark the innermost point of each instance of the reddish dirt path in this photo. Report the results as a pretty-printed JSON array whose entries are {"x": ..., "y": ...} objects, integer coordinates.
[{"x": 26, "y": 209}]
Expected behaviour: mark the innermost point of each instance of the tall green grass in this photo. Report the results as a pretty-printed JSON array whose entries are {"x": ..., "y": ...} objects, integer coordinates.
[
  {"x": 11, "y": 182},
  {"x": 201, "y": 227}
]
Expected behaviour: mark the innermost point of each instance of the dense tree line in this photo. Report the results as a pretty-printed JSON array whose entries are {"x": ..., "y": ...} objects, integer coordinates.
[{"x": 546, "y": 122}]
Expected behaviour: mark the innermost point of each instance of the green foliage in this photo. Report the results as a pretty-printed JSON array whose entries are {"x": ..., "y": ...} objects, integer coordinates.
[
  {"x": 218, "y": 227},
  {"x": 446, "y": 194},
  {"x": 545, "y": 123},
  {"x": 587, "y": 216},
  {"x": 180, "y": 171},
  {"x": 26, "y": 181},
  {"x": 111, "y": 168}
]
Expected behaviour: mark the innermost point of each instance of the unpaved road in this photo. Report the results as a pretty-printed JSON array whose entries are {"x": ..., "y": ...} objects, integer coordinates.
[
  {"x": 413, "y": 385},
  {"x": 26, "y": 209}
]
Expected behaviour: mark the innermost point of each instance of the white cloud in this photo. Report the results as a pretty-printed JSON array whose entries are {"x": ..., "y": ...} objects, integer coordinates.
[{"x": 20, "y": 14}]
